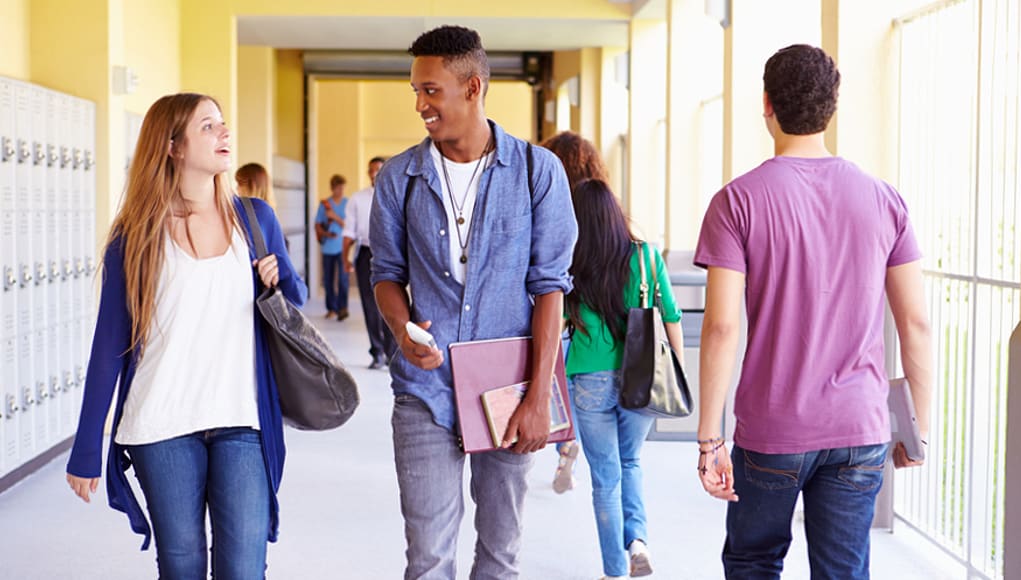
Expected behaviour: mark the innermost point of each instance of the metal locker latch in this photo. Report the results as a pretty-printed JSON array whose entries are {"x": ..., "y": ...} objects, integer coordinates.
[
  {"x": 67, "y": 269},
  {"x": 54, "y": 271},
  {"x": 7, "y": 150},
  {"x": 10, "y": 280},
  {"x": 12, "y": 406},
  {"x": 26, "y": 276},
  {"x": 90, "y": 266},
  {"x": 77, "y": 159},
  {"x": 54, "y": 385},
  {"x": 65, "y": 157},
  {"x": 40, "y": 273},
  {"x": 90, "y": 160},
  {"x": 80, "y": 373},
  {"x": 52, "y": 157},
  {"x": 24, "y": 151},
  {"x": 29, "y": 397},
  {"x": 39, "y": 153},
  {"x": 79, "y": 267},
  {"x": 42, "y": 391},
  {"x": 68, "y": 381}
]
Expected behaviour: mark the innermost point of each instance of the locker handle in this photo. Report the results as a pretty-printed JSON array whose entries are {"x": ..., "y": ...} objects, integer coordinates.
[
  {"x": 40, "y": 273},
  {"x": 90, "y": 160},
  {"x": 10, "y": 280},
  {"x": 68, "y": 381},
  {"x": 12, "y": 406},
  {"x": 67, "y": 269},
  {"x": 29, "y": 397},
  {"x": 77, "y": 159},
  {"x": 26, "y": 276},
  {"x": 79, "y": 267},
  {"x": 80, "y": 372},
  {"x": 24, "y": 151},
  {"x": 39, "y": 154},
  {"x": 6, "y": 149},
  {"x": 54, "y": 271},
  {"x": 65, "y": 157},
  {"x": 54, "y": 385},
  {"x": 90, "y": 265},
  {"x": 42, "y": 391},
  {"x": 51, "y": 155}
]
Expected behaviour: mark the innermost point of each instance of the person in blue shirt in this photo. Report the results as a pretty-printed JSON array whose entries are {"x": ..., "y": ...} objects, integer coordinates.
[
  {"x": 329, "y": 225},
  {"x": 197, "y": 415},
  {"x": 478, "y": 226}
]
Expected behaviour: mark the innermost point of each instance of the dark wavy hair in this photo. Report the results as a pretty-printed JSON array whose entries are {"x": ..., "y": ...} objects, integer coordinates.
[
  {"x": 802, "y": 82},
  {"x": 602, "y": 258},
  {"x": 580, "y": 157},
  {"x": 461, "y": 49}
]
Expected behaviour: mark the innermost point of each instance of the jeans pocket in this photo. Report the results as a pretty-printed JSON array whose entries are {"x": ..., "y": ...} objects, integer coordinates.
[
  {"x": 772, "y": 471},
  {"x": 864, "y": 470},
  {"x": 594, "y": 391}
]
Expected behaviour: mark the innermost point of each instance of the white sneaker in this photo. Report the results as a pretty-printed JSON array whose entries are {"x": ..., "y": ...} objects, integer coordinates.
[{"x": 641, "y": 564}]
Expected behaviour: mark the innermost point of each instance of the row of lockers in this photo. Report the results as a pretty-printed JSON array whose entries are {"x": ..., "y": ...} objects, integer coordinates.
[{"x": 47, "y": 263}]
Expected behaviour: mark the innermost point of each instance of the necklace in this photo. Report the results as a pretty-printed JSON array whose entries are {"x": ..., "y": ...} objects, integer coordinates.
[{"x": 459, "y": 209}]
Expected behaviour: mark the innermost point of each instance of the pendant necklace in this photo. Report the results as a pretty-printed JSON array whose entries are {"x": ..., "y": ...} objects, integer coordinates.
[{"x": 459, "y": 209}]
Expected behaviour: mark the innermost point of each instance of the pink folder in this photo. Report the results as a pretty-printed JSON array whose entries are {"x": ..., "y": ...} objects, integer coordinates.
[{"x": 484, "y": 365}]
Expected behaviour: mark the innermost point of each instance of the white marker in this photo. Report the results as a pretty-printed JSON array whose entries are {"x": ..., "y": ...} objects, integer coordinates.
[{"x": 419, "y": 335}]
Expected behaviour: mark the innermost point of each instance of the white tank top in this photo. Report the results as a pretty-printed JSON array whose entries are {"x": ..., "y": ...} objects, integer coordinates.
[{"x": 198, "y": 370}]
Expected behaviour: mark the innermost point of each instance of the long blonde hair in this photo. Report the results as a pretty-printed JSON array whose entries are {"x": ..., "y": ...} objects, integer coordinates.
[
  {"x": 153, "y": 189},
  {"x": 253, "y": 181}
]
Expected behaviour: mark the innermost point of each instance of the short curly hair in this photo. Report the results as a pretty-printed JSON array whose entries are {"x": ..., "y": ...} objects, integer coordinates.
[
  {"x": 802, "y": 82},
  {"x": 579, "y": 156},
  {"x": 461, "y": 49}
]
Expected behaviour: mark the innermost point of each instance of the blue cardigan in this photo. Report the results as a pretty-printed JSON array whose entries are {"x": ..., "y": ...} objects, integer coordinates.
[{"x": 110, "y": 358}]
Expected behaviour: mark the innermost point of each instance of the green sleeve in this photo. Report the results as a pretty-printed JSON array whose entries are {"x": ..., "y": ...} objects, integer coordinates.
[{"x": 671, "y": 313}]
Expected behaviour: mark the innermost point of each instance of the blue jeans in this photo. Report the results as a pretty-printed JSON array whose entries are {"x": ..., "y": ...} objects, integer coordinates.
[
  {"x": 612, "y": 442},
  {"x": 336, "y": 281},
  {"x": 839, "y": 487},
  {"x": 221, "y": 468},
  {"x": 430, "y": 470}
]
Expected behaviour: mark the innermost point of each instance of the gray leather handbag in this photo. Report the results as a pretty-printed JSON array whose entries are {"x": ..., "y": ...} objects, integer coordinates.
[
  {"x": 652, "y": 377},
  {"x": 316, "y": 391}
]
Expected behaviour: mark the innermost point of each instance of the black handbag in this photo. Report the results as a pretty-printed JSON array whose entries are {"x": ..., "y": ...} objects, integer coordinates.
[
  {"x": 653, "y": 381},
  {"x": 316, "y": 391}
]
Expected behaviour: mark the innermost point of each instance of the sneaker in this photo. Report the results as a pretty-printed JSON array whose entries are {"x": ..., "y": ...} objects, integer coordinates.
[
  {"x": 342, "y": 314},
  {"x": 640, "y": 562},
  {"x": 564, "y": 478},
  {"x": 378, "y": 362},
  {"x": 330, "y": 314}
]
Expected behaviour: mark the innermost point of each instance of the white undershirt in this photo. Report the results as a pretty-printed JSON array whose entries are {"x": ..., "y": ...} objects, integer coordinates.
[
  {"x": 465, "y": 194},
  {"x": 198, "y": 370}
]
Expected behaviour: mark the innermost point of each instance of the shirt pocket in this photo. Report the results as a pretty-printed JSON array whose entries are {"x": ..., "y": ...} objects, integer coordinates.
[{"x": 511, "y": 244}]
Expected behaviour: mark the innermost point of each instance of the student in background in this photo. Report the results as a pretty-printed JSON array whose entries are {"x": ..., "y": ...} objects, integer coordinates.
[
  {"x": 196, "y": 415},
  {"x": 329, "y": 224},
  {"x": 607, "y": 276},
  {"x": 581, "y": 161},
  {"x": 253, "y": 181},
  {"x": 816, "y": 247},
  {"x": 356, "y": 234}
]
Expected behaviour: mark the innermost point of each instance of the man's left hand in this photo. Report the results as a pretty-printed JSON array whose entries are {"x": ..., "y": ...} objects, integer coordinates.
[{"x": 530, "y": 425}]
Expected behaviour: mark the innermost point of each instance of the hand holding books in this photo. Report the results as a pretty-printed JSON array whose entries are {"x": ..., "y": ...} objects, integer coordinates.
[{"x": 499, "y": 404}]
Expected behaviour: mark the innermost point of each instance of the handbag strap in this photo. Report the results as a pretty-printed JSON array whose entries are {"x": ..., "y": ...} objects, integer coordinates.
[
  {"x": 644, "y": 297},
  {"x": 254, "y": 229}
]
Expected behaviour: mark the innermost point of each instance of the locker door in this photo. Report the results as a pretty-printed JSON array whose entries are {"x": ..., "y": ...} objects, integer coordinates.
[
  {"x": 69, "y": 393},
  {"x": 8, "y": 255},
  {"x": 57, "y": 428},
  {"x": 40, "y": 268},
  {"x": 80, "y": 251},
  {"x": 66, "y": 287},
  {"x": 23, "y": 242},
  {"x": 11, "y": 407}
]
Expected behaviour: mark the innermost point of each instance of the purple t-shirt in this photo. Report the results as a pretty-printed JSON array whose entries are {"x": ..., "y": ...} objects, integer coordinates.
[{"x": 814, "y": 238}]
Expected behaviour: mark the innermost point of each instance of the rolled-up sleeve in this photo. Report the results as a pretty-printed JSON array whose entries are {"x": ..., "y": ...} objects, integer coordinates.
[
  {"x": 554, "y": 228},
  {"x": 387, "y": 233}
]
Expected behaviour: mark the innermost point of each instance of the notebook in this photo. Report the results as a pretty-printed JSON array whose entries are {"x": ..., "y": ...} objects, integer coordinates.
[
  {"x": 499, "y": 404},
  {"x": 903, "y": 422},
  {"x": 485, "y": 365}
]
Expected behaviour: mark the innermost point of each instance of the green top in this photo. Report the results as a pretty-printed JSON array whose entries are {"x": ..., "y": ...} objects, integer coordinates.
[{"x": 597, "y": 351}]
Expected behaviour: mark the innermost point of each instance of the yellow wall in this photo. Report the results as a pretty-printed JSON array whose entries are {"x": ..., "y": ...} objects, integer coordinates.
[
  {"x": 152, "y": 37},
  {"x": 14, "y": 29},
  {"x": 338, "y": 134},
  {"x": 255, "y": 135},
  {"x": 290, "y": 107}
]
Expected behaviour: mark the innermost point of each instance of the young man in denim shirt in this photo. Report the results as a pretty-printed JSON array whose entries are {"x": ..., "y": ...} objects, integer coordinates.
[{"x": 485, "y": 255}]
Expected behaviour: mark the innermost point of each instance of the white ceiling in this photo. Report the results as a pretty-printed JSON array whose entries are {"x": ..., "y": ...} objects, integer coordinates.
[{"x": 386, "y": 33}]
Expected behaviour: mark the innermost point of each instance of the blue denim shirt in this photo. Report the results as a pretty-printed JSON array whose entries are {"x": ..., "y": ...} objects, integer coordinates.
[{"x": 520, "y": 247}]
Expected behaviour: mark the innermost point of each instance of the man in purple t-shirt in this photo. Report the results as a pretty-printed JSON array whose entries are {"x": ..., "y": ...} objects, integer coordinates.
[{"x": 817, "y": 246}]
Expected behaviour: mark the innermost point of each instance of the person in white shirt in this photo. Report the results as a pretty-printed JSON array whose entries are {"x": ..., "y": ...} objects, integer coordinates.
[{"x": 356, "y": 233}]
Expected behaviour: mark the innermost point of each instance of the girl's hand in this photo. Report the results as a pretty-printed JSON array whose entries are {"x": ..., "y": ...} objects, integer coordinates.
[
  {"x": 83, "y": 486},
  {"x": 269, "y": 271}
]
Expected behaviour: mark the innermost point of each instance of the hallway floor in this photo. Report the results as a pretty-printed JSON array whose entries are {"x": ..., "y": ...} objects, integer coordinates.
[{"x": 340, "y": 516}]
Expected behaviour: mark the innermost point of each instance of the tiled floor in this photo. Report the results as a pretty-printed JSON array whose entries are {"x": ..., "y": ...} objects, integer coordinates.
[{"x": 340, "y": 516}]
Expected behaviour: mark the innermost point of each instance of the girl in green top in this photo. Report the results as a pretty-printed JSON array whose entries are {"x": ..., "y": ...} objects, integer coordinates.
[{"x": 606, "y": 278}]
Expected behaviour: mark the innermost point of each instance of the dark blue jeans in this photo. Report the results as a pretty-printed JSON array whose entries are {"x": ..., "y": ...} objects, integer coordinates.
[
  {"x": 221, "y": 468},
  {"x": 336, "y": 281},
  {"x": 839, "y": 487}
]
